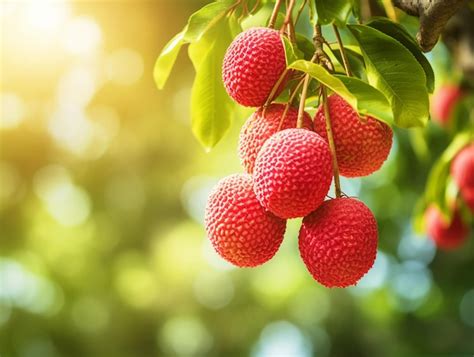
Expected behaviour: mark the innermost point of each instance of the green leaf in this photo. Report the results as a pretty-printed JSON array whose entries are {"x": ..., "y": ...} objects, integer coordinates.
[
  {"x": 370, "y": 101},
  {"x": 165, "y": 61},
  {"x": 356, "y": 61},
  {"x": 203, "y": 19},
  {"x": 305, "y": 45},
  {"x": 393, "y": 70},
  {"x": 333, "y": 11},
  {"x": 322, "y": 75},
  {"x": 399, "y": 33},
  {"x": 292, "y": 53},
  {"x": 211, "y": 107}
]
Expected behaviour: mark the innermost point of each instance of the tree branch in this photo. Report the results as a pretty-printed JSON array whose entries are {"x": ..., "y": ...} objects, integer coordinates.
[{"x": 433, "y": 14}]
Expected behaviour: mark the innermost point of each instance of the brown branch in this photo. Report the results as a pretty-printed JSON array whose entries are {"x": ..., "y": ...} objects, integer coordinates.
[{"x": 433, "y": 14}]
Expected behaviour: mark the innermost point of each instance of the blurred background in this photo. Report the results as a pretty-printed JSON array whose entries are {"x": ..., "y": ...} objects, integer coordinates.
[{"x": 102, "y": 195}]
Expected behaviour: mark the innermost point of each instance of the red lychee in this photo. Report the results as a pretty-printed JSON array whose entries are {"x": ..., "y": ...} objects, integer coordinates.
[
  {"x": 468, "y": 197},
  {"x": 446, "y": 235},
  {"x": 293, "y": 172},
  {"x": 362, "y": 143},
  {"x": 261, "y": 125},
  {"x": 462, "y": 169},
  {"x": 443, "y": 103},
  {"x": 240, "y": 229},
  {"x": 338, "y": 242},
  {"x": 253, "y": 63}
]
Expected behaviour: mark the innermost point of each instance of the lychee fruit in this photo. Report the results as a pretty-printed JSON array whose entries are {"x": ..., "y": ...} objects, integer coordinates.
[
  {"x": 468, "y": 197},
  {"x": 253, "y": 63},
  {"x": 338, "y": 242},
  {"x": 362, "y": 143},
  {"x": 447, "y": 235},
  {"x": 293, "y": 172},
  {"x": 462, "y": 169},
  {"x": 261, "y": 125},
  {"x": 239, "y": 228},
  {"x": 443, "y": 103}
]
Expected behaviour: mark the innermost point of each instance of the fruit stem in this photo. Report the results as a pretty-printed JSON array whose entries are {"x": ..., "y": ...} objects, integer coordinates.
[
  {"x": 332, "y": 146},
  {"x": 275, "y": 88},
  {"x": 288, "y": 23},
  {"x": 300, "y": 10},
  {"x": 288, "y": 104},
  {"x": 323, "y": 60},
  {"x": 304, "y": 93},
  {"x": 255, "y": 6},
  {"x": 274, "y": 16},
  {"x": 345, "y": 60}
]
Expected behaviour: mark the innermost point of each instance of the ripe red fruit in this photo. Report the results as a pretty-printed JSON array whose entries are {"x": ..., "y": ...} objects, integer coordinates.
[
  {"x": 362, "y": 144},
  {"x": 446, "y": 235},
  {"x": 468, "y": 197},
  {"x": 260, "y": 126},
  {"x": 462, "y": 169},
  {"x": 240, "y": 229},
  {"x": 253, "y": 63},
  {"x": 443, "y": 103},
  {"x": 338, "y": 242},
  {"x": 293, "y": 172}
]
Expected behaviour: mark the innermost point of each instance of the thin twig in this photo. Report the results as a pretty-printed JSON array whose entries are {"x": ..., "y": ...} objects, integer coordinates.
[
  {"x": 288, "y": 18},
  {"x": 276, "y": 87},
  {"x": 300, "y": 10},
  {"x": 332, "y": 146},
  {"x": 304, "y": 93},
  {"x": 345, "y": 60},
  {"x": 320, "y": 55},
  {"x": 274, "y": 16},
  {"x": 255, "y": 6}
]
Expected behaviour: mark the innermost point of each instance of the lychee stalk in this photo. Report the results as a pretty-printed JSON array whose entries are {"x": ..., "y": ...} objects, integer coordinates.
[
  {"x": 304, "y": 93},
  {"x": 342, "y": 50},
  {"x": 332, "y": 146},
  {"x": 318, "y": 42},
  {"x": 288, "y": 23},
  {"x": 275, "y": 88},
  {"x": 274, "y": 16}
]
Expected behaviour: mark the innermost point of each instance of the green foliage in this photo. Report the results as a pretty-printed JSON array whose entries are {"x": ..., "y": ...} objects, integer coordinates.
[
  {"x": 399, "y": 33},
  {"x": 201, "y": 21},
  {"x": 393, "y": 70},
  {"x": 319, "y": 73},
  {"x": 370, "y": 101},
  {"x": 333, "y": 11},
  {"x": 211, "y": 107},
  {"x": 166, "y": 60}
]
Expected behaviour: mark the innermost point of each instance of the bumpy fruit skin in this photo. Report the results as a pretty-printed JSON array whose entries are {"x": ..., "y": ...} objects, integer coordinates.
[
  {"x": 338, "y": 242},
  {"x": 443, "y": 103},
  {"x": 462, "y": 169},
  {"x": 446, "y": 235},
  {"x": 240, "y": 229},
  {"x": 260, "y": 126},
  {"x": 293, "y": 172},
  {"x": 253, "y": 63},
  {"x": 362, "y": 144}
]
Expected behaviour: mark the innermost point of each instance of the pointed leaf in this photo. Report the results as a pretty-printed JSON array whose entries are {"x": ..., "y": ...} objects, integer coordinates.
[
  {"x": 165, "y": 61},
  {"x": 370, "y": 101},
  {"x": 211, "y": 107},
  {"x": 333, "y": 11},
  {"x": 322, "y": 75},
  {"x": 399, "y": 33},
  {"x": 203, "y": 19},
  {"x": 393, "y": 70}
]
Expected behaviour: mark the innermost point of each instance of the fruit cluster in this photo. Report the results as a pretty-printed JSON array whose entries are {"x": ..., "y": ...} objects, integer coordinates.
[
  {"x": 451, "y": 234},
  {"x": 289, "y": 169}
]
